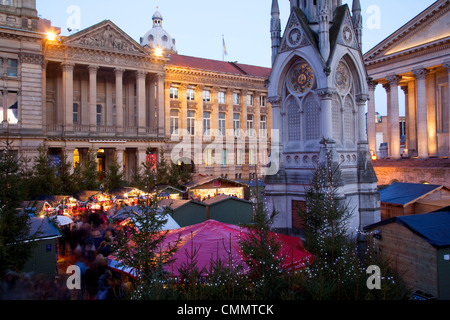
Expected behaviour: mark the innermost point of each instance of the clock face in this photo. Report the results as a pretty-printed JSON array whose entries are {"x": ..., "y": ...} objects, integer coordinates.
[
  {"x": 343, "y": 78},
  {"x": 301, "y": 78},
  {"x": 294, "y": 37}
]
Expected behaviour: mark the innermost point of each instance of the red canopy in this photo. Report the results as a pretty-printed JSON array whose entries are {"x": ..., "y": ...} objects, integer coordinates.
[{"x": 215, "y": 240}]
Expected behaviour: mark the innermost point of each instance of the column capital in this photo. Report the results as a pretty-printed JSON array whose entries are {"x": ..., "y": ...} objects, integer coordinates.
[
  {"x": 446, "y": 65},
  {"x": 393, "y": 79},
  {"x": 93, "y": 68},
  {"x": 405, "y": 89},
  {"x": 119, "y": 71},
  {"x": 68, "y": 66},
  {"x": 326, "y": 93},
  {"x": 372, "y": 85},
  {"x": 420, "y": 73},
  {"x": 362, "y": 98},
  {"x": 274, "y": 101},
  {"x": 141, "y": 74},
  {"x": 387, "y": 87}
]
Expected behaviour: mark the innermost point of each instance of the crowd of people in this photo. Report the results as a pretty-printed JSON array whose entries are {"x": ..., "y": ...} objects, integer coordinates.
[{"x": 87, "y": 243}]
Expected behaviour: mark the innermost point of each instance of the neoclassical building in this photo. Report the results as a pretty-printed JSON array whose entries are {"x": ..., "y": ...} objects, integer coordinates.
[
  {"x": 415, "y": 59},
  {"x": 100, "y": 90}
]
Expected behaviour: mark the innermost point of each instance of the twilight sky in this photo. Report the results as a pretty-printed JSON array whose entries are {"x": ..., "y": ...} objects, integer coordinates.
[{"x": 198, "y": 25}]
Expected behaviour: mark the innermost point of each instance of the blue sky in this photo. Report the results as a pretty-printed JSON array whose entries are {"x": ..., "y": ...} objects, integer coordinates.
[{"x": 198, "y": 25}]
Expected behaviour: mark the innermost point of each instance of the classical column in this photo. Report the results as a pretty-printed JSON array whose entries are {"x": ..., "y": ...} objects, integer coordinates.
[
  {"x": 387, "y": 138},
  {"x": 160, "y": 106},
  {"x": 44, "y": 95},
  {"x": 446, "y": 65},
  {"x": 326, "y": 96},
  {"x": 361, "y": 101},
  {"x": 407, "y": 120},
  {"x": 68, "y": 95},
  {"x": 412, "y": 128},
  {"x": 422, "y": 127},
  {"x": 93, "y": 97},
  {"x": 119, "y": 100},
  {"x": 371, "y": 127},
  {"x": 4, "y": 116},
  {"x": 120, "y": 156},
  {"x": 394, "y": 118},
  {"x": 69, "y": 153},
  {"x": 140, "y": 103}
]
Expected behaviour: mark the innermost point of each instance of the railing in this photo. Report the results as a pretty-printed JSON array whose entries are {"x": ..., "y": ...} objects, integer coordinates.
[{"x": 128, "y": 130}]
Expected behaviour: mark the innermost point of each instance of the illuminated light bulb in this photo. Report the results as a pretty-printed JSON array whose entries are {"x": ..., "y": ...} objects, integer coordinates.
[
  {"x": 51, "y": 36},
  {"x": 158, "y": 52}
]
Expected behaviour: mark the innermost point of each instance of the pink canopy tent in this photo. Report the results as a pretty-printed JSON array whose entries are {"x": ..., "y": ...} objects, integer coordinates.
[{"x": 215, "y": 240}]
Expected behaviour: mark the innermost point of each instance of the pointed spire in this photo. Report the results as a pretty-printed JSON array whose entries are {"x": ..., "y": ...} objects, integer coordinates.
[
  {"x": 356, "y": 6},
  {"x": 275, "y": 8},
  {"x": 357, "y": 20},
  {"x": 275, "y": 29}
]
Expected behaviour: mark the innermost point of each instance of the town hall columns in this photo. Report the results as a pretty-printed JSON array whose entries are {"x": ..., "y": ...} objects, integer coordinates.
[
  {"x": 371, "y": 128},
  {"x": 394, "y": 118},
  {"x": 67, "y": 69},
  {"x": 119, "y": 99},
  {"x": 422, "y": 118},
  {"x": 93, "y": 97}
]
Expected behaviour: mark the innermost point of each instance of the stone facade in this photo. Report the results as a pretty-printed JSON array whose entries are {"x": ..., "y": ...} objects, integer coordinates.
[
  {"x": 99, "y": 90},
  {"x": 318, "y": 90},
  {"x": 416, "y": 59}
]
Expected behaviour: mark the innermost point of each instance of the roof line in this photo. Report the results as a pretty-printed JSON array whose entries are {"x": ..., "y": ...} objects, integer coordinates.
[{"x": 423, "y": 196}]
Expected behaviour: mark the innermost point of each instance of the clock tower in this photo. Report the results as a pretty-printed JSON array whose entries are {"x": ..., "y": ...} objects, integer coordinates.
[{"x": 318, "y": 89}]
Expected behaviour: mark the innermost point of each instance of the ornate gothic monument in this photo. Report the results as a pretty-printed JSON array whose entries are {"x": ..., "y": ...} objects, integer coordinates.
[{"x": 318, "y": 89}]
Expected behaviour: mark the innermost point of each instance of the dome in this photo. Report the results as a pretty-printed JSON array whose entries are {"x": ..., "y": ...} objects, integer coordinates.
[{"x": 157, "y": 36}]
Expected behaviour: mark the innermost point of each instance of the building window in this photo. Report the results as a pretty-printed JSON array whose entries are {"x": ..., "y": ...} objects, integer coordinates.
[
  {"x": 12, "y": 67},
  {"x": 209, "y": 157},
  {"x": 236, "y": 98},
  {"x": 174, "y": 118},
  {"x": 99, "y": 114},
  {"x": 224, "y": 156},
  {"x": 250, "y": 126},
  {"x": 206, "y": 96},
  {"x": 221, "y": 97},
  {"x": 237, "y": 124},
  {"x": 222, "y": 124},
  {"x": 12, "y": 105},
  {"x": 250, "y": 99},
  {"x": 239, "y": 157},
  {"x": 252, "y": 156},
  {"x": 173, "y": 93},
  {"x": 190, "y": 94},
  {"x": 207, "y": 123},
  {"x": 262, "y": 101},
  {"x": 75, "y": 112},
  {"x": 263, "y": 127},
  {"x": 191, "y": 122}
]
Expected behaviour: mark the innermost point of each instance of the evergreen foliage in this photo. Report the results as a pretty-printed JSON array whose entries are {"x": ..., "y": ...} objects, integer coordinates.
[{"x": 14, "y": 226}]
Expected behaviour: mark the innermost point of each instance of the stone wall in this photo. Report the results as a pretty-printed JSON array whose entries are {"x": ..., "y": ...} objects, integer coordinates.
[{"x": 433, "y": 171}]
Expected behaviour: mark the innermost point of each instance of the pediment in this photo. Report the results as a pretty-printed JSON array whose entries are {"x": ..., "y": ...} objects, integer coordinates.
[
  {"x": 430, "y": 26},
  {"x": 105, "y": 36},
  {"x": 297, "y": 33},
  {"x": 346, "y": 35}
]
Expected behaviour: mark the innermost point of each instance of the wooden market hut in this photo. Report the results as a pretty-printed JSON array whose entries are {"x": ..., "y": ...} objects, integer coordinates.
[
  {"x": 185, "y": 212},
  {"x": 43, "y": 260},
  {"x": 418, "y": 247},
  {"x": 399, "y": 199},
  {"x": 204, "y": 187},
  {"x": 228, "y": 209}
]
